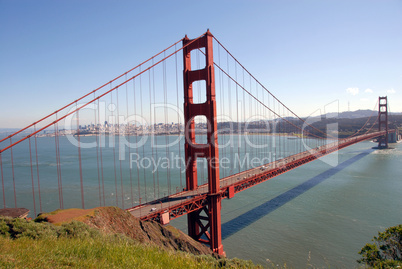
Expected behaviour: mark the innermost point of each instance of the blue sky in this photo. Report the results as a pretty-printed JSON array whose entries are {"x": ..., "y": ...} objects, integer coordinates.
[{"x": 308, "y": 53}]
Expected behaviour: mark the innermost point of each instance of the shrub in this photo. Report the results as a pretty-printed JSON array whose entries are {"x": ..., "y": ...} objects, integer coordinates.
[
  {"x": 21, "y": 228},
  {"x": 4, "y": 228},
  {"x": 76, "y": 229},
  {"x": 386, "y": 251},
  {"x": 16, "y": 228}
]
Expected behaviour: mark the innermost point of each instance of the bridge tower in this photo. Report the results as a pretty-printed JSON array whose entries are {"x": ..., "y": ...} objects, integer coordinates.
[
  {"x": 383, "y": 122},
  {"x": 204, "y": 225}
]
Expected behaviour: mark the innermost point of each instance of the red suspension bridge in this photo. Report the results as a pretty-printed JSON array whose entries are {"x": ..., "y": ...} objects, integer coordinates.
[{"x": 133, "y": 144}]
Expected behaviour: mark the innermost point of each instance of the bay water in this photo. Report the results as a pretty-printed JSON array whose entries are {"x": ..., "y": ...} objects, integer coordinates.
[{"x": 319, "y": 214}]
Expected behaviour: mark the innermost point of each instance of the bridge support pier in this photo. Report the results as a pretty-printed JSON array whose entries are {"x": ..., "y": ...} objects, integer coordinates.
[
  {"x": 204, "y": 225},
  {"x": 383, "y": 122}
]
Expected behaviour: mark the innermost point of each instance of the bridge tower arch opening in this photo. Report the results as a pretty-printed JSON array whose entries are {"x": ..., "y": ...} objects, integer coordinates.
[
  {"x": 204, "y": 225},
  {"x": 383, "y": 122}
]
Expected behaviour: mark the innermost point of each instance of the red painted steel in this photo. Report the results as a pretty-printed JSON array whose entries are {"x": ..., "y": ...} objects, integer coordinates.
[
  {"x": 231, "y": 192},
  {"x": 208, "y": 226},
  {"x": 383, "y": 122}
]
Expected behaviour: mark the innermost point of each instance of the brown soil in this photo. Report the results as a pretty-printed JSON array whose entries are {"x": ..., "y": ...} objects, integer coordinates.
[
  {"x": 116, "y": 220},
  {"x": 60, "y": 216}
]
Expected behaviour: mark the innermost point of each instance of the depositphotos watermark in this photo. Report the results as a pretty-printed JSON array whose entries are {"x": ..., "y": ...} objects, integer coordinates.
[
  {"x": 174, "y": 161},
  {"x": 112, "y": 128},
  {"x": 117, "y": 128}
]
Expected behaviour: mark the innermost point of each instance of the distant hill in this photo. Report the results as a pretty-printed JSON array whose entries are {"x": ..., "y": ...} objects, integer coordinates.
[{"x": 361, "y": 113}]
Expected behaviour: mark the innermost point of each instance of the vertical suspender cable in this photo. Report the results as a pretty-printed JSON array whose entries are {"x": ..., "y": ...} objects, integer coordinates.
[
  {"x": 238, "y": 122},
  {"x": 258, "y": 122},
  {"x": 56, "y": 141},
  {"x": 97, "y": 130},
  {"x": 100, "y": 152},
  {"x": 221, "y": 97},
  {"x": 37, "y": 171},
  {"x": 272, "y": 124},
  {"x": 261, "y": 122},
  {"x": 280, "y": 132},
  {"x": 59, "y": 158},
  {"x": 2, "y": 181},
  {"x": 166, "y": 126},
  {"x": 114, "y": 148},
  {"x": 79, "y": 158},
  {"x": 250, "y": 112},
  {"x": 244, "y": 120},
  {"x": 32, "y": 176},
  {"x": 128, "y": 133},
  {"x": 284, "y": 134},
  {"x": 178, "y": 125},
  {"x": 153, "y": 134},
  {"x": 57, "y": 161},
  {"x": 265, "y": 123},
  {"x": 119, "y": 140},
  {"x": 283, "y": 146},
  {"x": 154, "y": 120},
  {"x": 230, "y": 115},
  {"x": 143, "y": 146},
  {"x": 302, "y": 139},
  {"x": 136, "y": 143},
  {"x": 251, "y": 137},
  {"x": 275, "y": 131},
  {"x": 12, "y": 168}
]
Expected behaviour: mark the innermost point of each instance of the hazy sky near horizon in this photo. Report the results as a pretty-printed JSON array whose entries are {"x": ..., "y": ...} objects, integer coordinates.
[{"x": 307, "y": 53}]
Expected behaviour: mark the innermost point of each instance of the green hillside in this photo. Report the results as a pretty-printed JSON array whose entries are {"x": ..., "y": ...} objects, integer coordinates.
[{"x": 32, "y": 244}]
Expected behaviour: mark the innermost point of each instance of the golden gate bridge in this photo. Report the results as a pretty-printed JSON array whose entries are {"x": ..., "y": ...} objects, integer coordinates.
[{"x": 193, "y": 103}]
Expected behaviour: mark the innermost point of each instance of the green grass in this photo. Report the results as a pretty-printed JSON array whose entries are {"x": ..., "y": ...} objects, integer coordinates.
[
  {"x": 27, "y": 244},
  {"x": 91, "y": 253}
]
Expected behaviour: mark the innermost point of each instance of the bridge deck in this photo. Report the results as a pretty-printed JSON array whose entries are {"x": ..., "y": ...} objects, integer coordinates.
[{"x": 185, "y": 202}]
